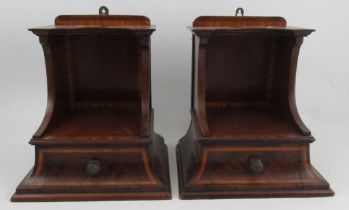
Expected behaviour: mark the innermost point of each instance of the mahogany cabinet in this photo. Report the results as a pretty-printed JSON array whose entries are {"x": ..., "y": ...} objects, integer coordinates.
[
  {"x": 246, "y": 138},
  {"x": 96, "y": 141}
]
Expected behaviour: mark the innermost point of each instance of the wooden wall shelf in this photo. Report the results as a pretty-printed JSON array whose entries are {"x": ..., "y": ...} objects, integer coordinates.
[
  {"x": 96, "y": 141},
  {"x": 246, "y": 138}
]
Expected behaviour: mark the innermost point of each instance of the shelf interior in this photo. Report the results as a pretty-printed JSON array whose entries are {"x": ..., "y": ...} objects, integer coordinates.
[
  {"x": 247, "y": 123},
  {"x": 96, "y": 123},
  {"x": 247, "y": 87},
  {"x": 97, "y": 86}
]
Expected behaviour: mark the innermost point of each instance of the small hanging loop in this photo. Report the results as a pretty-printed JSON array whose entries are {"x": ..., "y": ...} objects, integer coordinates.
[
  {"x": 239, "y": 10},
  {"x": 103, "y": 10}
]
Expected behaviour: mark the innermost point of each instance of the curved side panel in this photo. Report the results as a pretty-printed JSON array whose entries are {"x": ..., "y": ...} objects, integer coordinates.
[
  {"x": 291, "y": 88},
  {"x": 46, "y": 45}
]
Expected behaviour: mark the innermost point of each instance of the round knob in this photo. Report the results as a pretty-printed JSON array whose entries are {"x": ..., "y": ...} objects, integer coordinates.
[
  {"x": 93, "y": 167},
  {"x": 103, "y": 10},
  {"x": 256, "y": 165}
]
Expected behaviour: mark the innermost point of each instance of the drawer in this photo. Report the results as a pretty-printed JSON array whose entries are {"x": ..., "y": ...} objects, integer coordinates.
[
  {"x": 251, "y": 165},
  {"x": 91, "y": 166}
]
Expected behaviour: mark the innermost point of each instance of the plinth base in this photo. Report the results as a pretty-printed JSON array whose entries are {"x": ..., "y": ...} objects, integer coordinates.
[
  {"x": 216, "y": 168},
  {"x": 127, "y": 172}
]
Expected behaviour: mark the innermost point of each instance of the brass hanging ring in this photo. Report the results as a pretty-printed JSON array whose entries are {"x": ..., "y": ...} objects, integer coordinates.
[
  {"x": 239, "y": 10},
  {"x": 103, "y": 10}
]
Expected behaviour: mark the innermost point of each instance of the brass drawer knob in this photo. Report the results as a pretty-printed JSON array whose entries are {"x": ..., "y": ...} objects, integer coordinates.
[
  {"x": 93, "y": 167},
  {"x": 256, "y": 165}
]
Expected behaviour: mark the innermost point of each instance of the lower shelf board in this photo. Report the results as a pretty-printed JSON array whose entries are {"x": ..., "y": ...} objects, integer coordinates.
[
  {"x": 90, "y": 124},
  {"x": 246, "y": 123}
]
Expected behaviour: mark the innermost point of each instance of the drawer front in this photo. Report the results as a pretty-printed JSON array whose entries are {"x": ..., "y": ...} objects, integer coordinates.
[
  {"x": 251, "y": 165},
  {"x": 91, "y": 166}
]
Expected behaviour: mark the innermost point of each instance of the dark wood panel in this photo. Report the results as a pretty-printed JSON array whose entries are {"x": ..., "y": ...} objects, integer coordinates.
[
  {"x": 237, "y": 68},
  {"x": 104, "y": 68}
]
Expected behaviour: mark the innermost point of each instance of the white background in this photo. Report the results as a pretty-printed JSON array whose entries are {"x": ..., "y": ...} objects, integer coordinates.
[{"x": 322, "y": 89}]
